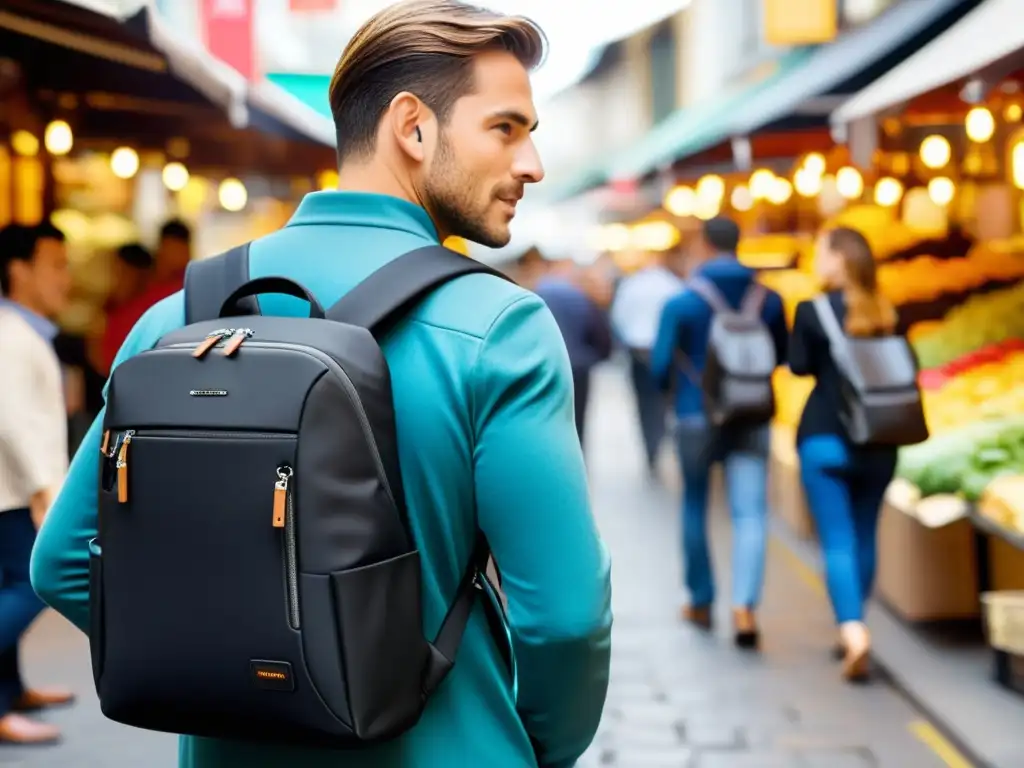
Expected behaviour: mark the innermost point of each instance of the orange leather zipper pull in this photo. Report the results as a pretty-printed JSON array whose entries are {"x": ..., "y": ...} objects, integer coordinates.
[
  {"x": 281, "y": 496},
  {"x": 235, "y": 342},
  {"x": 122, "y": 468},
  {"x": 105, "y": 445},
  {"x": 208, "y": 343}
]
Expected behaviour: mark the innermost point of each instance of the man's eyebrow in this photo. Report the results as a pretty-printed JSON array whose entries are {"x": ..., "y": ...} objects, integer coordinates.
[{"x": 516, "y": 117}]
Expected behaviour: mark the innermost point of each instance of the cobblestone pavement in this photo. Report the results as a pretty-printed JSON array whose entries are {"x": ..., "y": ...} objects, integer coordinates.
[{"x": 678, "y": 699}]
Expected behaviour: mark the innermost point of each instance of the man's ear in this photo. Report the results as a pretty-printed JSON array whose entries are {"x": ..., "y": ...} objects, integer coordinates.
[{"x": 405, "y": 116}]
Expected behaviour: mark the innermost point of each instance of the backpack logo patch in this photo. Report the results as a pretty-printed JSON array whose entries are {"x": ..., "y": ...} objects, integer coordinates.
[
  {"x": 208, "y": 392},
  {"x": 272, "y": 675}
]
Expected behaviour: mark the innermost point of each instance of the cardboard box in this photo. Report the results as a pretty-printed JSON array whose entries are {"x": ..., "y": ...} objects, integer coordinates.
[{"x": 924, "y": 573}]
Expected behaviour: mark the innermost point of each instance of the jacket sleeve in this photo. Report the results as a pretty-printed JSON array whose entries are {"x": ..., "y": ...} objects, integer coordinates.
[
  {"x": 777, "y": 324},
  {"x": 666, "y": 344},
  {"x": 533, "y": 506},
  {"x": 60, "y": 559},
  {"x": 803, "y": 351}
]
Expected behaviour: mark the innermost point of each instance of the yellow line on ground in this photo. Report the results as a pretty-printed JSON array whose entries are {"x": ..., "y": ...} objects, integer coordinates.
[
  {"x": 924, "y": 731},
  {"x": 929, "y": 735},
  {"x": 800, "y": 569}
]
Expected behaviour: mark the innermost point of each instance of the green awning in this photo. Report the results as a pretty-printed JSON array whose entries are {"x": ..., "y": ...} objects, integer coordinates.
[
  {"x": 311, "y": 90},
  {"x": 688, "y": 131},
  {"x": 680, "y": 135}
]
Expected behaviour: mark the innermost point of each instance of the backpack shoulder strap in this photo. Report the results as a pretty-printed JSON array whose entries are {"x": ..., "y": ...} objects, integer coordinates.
[
  {"x": 474, "y": 583},
  {"x": 209, "y": 282},
  {"x": 829, "y": 322},
  {"x": 707, "y": 291},
  {"x": 383, "y": 298},
  {"x": 753, "y": 300}
]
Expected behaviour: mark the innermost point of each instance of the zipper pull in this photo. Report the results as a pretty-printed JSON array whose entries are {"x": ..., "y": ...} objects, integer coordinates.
[
  {"x": 241, "y": 334},
  {"x": 210, "y": 342},
  {"x": 105, "y": 445},
  {"x": 122, "y": 467},
  {"x": 284, "y": 474}
]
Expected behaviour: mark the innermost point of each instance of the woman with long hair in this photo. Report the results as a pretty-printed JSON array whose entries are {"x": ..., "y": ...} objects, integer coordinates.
[{"x": 844, "y": 483}]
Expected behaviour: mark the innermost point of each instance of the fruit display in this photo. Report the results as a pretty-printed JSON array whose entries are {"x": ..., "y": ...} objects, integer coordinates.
[
  {"x": 926, "y": 278},
  {"x": 980, "y": 321},
  {"x": 979, "y": 385},
  {"x": 793, "y": 286},
  {"x": 964, "y": 461},
  {"x": 1003, "y": 502}
]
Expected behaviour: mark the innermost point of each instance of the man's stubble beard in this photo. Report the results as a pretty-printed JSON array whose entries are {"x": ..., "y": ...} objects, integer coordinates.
[{"x": 450, "y": 197}]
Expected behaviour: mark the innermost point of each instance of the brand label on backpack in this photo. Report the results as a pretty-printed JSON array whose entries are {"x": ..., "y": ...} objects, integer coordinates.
[{"x": 272, "y": 675}]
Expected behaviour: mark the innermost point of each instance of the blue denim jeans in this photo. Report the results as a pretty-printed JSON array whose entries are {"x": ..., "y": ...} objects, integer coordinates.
[
  {"x": 19, "y": 605},
  {"x": 845, "y": 488},
  {"x": 745, "y": 461},
  {"x": 652, "y": 408}
]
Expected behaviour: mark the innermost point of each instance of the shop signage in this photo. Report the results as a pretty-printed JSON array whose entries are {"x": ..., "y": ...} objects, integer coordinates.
[
  {"x": 800, "y": 22},
  {"x": 312, "y": 5},
  {"x": 228, "y": 32}
]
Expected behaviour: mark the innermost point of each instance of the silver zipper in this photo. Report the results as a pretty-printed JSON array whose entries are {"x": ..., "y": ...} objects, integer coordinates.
[
  {"x": 291, "y": 565},
  {"x": 213, "y": 434},
  {"x": 350, "y": 390}
]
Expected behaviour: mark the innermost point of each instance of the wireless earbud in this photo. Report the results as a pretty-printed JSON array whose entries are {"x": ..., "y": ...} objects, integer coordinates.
[{"x": 419, "y": 135}]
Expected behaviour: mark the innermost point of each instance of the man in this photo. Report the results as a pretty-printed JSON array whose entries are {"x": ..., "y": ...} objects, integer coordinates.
[
  {"x": 678, "y": 359},
  {"x": 133, "y": 268},
  {"x": 173, "y": 254},
  {"x": 584, "y": 329},
  {"x": 434, "y": 114},
  {"x": 635, "y": 313},
  {"x": 35, "y": 282}
]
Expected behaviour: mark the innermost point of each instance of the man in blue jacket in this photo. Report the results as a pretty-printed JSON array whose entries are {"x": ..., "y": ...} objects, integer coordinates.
[
  {"x": 434, "y": 117},
  {"x": 584, "y": 327},
  {"x": 678, "y": 360}
]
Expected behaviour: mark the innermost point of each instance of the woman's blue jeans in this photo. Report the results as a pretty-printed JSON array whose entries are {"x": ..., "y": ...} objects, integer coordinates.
[
  {"x": 845, "y": 488},
  {"x": 745, "y": 461}
]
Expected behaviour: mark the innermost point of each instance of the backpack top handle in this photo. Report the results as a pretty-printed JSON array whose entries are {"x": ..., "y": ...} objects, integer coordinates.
[{"x": 230, "y": 307}]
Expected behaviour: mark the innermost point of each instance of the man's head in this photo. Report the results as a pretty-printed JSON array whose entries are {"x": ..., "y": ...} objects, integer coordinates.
[
  {"x": 34, "y": 268},
  {"x": 132, "y": 268},
  {"x": 432, "y": 100},
  {"x": 174, "y": 250},
  {"x": 717, "y": 236}
]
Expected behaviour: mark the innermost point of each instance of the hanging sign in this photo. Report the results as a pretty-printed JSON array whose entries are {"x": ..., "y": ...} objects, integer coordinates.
[{"x": 800, "y": 22}]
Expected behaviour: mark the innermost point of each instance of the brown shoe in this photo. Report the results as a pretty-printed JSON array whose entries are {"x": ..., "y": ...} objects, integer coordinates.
[
  {"x": 698, "y": 615},
  {"x": 857, "y": 658},
  {"x": 16, "y": 729},
  {"x": 747, "y": 635},
  {"x": 43, "y": 698}
]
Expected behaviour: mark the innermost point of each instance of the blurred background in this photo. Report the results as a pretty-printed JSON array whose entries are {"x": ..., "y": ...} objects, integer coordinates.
[{"x": 901, "y": 118}]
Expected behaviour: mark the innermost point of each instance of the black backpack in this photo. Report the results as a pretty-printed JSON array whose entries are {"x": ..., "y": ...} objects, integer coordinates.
[
  {"x": 741, "y": 359},
  {"x": 880, "y": 398},
  {"x": 255, "y": 577}
]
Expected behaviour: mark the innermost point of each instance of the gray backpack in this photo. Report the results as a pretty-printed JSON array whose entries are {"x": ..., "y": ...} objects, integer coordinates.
[
  {"x": 737, "y": 379},
  {"x": 881, "y": 402}
]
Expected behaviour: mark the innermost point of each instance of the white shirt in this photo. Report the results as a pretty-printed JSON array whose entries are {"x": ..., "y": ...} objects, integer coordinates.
[
  {"x": 636, "y": 311},
  {"x": 33, "y": 421}
]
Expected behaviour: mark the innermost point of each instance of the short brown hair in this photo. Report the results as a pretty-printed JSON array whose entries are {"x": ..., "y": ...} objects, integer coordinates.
[{"x": 425, "y": 47}]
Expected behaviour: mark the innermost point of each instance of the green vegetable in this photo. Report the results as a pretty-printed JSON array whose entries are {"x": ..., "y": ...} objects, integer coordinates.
[{"x": 966, "y": 460}]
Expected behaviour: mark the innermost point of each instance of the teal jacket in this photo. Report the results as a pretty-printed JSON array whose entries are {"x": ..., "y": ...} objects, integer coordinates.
[{"x": 483, "y": 397}]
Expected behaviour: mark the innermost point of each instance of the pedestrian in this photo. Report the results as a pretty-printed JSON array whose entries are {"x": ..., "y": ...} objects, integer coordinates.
[
  {"x": 132, "y": 274},
  {"x": 584, "y": 327},
  {"x": 35, "y": 284},
  {"x": 636, "y": 311},
  {"x": 156, "y": 277},
  {"x": 434, "y": 116},
  {"x": 844, "y": 483},
  {"x": 679, "y": 359}
]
